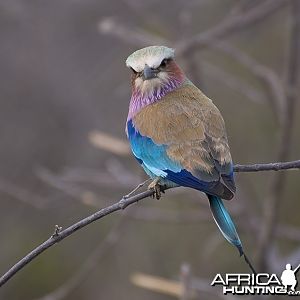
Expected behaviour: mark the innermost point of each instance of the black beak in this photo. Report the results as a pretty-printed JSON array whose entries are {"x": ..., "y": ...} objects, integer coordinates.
[{"x": 149, "y": 73}]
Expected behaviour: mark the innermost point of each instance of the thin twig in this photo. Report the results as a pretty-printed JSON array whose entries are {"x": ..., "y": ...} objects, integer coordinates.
[
  {"x": 122, "y": 204},
  {"x": 139, "y": 186}
]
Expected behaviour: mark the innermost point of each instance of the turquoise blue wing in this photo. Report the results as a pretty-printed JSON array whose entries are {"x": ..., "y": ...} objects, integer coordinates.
[{"x": 153, "y": 157}]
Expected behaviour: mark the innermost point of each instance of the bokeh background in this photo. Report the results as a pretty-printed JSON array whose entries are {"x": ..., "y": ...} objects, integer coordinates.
[{"x": 64, "y": 95}]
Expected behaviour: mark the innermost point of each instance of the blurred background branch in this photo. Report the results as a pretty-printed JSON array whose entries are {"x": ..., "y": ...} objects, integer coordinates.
[{"x": 278, "y": 181}]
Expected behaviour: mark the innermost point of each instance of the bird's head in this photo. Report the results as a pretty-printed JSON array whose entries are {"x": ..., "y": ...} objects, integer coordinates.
[{"x": 154, "y": 70}]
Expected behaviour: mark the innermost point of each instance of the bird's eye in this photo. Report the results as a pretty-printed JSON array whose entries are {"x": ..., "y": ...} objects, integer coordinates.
[
  {"x": 133, "y": 70},
  {"x": 164, "y": 63}
]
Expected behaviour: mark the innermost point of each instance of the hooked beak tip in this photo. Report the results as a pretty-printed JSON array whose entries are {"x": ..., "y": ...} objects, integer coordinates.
[{"x": 149, "y": 73}]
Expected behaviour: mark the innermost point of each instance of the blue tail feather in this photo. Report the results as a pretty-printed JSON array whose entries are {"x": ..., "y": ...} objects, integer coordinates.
[{"x": 225, "y": 222}]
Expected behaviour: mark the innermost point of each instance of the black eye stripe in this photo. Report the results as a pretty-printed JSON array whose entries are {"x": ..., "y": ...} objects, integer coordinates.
[
  {"x": 164, "y": 62},
  {"x": 133, "y": 70}
]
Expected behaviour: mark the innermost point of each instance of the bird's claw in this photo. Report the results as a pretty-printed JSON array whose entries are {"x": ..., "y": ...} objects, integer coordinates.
[{"x": 157, "y": 188}]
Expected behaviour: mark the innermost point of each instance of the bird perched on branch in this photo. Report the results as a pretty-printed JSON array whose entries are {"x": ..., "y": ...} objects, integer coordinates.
[{"x": 178, "y": 135}]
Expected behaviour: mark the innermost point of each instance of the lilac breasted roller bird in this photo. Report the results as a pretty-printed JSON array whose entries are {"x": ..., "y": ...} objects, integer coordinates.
[{"x": 178, "y": 135}]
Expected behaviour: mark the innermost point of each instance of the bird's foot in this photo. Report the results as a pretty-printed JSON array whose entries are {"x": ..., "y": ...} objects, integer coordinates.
[{"x": 156, "y": 187}]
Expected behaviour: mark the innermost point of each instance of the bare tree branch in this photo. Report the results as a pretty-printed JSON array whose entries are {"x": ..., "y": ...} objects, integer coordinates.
[
  {"x": 122, "y": 204},
  {"x": 278, "y": 166}
]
